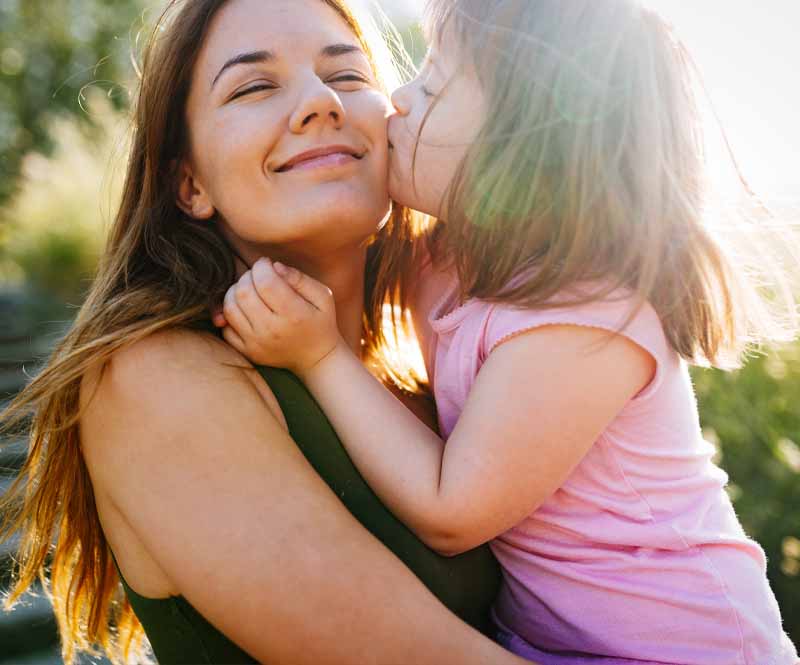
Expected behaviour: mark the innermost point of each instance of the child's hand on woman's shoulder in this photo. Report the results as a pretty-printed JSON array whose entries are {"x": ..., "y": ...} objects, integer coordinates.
[{"x": 278, "y": 316}]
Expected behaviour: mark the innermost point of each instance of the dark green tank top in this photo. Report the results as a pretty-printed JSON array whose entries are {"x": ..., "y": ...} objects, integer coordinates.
[{"x": 467, "y": 584}]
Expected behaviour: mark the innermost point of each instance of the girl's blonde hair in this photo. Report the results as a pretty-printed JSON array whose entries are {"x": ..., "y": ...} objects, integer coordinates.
[
  {"x": 160, "y": 270},
  {"x": 590, "y": 168}
]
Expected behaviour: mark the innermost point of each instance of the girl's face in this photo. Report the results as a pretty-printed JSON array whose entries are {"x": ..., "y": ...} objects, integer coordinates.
[
  {"x": 288, "y": 130},
  {"x": 448, "y": 92}
]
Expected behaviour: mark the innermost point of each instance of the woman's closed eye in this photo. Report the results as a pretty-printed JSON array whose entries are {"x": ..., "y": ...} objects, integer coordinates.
[
  {"x": 251, "y": 88},
  {"x": 352, "y": 80}
]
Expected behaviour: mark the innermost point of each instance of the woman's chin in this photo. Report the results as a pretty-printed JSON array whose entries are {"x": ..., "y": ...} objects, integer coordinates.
[
  {"x": 327, "y": 215},
  {"x": 347, "y": 223}
]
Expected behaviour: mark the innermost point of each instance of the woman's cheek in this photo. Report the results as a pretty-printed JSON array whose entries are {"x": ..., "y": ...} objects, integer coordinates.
[{"x": 371, "y": 110}]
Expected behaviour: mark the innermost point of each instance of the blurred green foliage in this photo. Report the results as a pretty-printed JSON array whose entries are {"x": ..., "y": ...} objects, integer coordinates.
[
  {"x": 52, "y": 230},
  {"x": 51, "y": 52},
  {"x": 414, "y": 43},
  {"x": 753, "y": 416}
]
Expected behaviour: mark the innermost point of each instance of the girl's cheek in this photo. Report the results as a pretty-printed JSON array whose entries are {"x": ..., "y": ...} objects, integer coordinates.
[
  {"x": 400, "y": 154},
  {"x": 400, "y": 185}
]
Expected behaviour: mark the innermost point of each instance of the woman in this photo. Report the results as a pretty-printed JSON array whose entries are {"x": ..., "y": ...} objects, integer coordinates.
[{"x": 260, "y": 129}]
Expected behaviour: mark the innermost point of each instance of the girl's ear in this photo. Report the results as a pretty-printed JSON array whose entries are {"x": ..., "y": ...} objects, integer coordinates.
[{"x": 193, "y": 199}]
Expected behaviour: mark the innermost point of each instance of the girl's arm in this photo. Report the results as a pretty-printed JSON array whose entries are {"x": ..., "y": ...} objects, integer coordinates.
[
  {"x": 538, "y": 404},
  {"x": 179, "y": 436}
]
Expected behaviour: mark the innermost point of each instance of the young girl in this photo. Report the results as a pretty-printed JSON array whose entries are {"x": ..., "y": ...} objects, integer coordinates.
[{"x": 558, "y": 304}]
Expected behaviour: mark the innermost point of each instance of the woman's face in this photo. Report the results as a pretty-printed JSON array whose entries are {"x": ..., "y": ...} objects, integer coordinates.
[
  {"x": 288, "y": 129},
  {"x": 439, "y": 115}
]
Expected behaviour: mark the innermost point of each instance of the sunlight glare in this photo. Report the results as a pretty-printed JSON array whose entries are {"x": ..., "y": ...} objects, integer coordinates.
[{"x": 748, "y": 55}]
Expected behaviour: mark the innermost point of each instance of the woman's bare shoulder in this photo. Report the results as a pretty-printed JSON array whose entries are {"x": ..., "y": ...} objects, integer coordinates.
[
  {"x": 170, "y": 376},
  {"x": 175, "y": 351}
]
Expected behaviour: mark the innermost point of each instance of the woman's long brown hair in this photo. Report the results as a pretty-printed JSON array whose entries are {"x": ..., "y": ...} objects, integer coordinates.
[{"x": 160, "y": 270}]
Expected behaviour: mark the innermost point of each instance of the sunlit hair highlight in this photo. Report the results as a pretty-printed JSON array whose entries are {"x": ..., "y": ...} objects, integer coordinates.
[
  {"x": 589, "y": 170},
  {"x": 160, "y": 270}
]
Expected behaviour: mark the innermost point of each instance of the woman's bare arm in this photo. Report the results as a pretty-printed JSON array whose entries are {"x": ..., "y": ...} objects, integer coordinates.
[{"x": 242, "y": 526}]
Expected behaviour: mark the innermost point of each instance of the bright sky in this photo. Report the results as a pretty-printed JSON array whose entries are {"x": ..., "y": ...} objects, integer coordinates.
[{"x": 749, "y": 55}]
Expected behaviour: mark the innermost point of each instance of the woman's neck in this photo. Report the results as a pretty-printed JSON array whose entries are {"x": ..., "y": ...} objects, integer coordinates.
[{"x": 342, "y": 272}]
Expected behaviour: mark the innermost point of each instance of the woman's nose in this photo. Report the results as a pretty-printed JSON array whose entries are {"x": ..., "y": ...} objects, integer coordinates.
[
  {"x": 401, "y": 100},
  {"x": 319, "y": 104}
]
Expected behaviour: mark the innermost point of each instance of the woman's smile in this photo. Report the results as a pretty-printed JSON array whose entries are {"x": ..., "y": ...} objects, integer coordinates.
[
  {"x": 285, "y": 90},
  {"x": 327, "y": 158}
]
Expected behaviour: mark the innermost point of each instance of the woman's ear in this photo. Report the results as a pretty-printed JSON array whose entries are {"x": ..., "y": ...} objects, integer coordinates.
[{"x": 192, "y": 196}]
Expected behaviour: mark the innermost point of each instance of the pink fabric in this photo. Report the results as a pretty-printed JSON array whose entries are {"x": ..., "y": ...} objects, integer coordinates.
[{"x": 639, "y": 556}]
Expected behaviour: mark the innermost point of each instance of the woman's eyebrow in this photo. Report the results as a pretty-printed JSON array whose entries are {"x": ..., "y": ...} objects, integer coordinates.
[
  {"x": 335, "y": 50},
  {"x": 244, "y": 59},
  {"x": 332, "y": 51}
]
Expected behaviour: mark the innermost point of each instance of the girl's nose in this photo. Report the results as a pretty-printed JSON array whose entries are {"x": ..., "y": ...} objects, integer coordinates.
[
  {"x": 319, "y": 104},
  {"x": 401, "y": 100}
]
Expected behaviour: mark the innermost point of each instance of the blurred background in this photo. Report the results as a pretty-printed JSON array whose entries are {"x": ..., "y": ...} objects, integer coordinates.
[{"x": 66, "y": 79}]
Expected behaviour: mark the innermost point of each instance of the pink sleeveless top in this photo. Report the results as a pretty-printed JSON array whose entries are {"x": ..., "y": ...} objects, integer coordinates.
[{"x": 639, "y": 557}]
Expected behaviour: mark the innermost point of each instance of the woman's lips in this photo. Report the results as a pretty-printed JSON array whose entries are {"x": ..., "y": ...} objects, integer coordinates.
[
  {"x": 325, "y": 161},
  {"x": 323, "y": 157}
]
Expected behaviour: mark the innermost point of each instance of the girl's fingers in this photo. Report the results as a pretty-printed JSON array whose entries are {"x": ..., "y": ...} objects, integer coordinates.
[
  {"x": 275, "y": 291},
  {"x": 233, "y": 312},
  {"x": 218, "y": 317},
  {"x": 233, "y": 338},
  {"x": 313, "y": 291},
  {"x": 254, "y": 307}
]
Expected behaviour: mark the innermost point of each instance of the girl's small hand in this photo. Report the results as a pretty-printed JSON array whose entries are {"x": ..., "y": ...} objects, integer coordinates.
[
  {"x": 218, "y": 317},
  {"x": 280, "y": 317}
]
